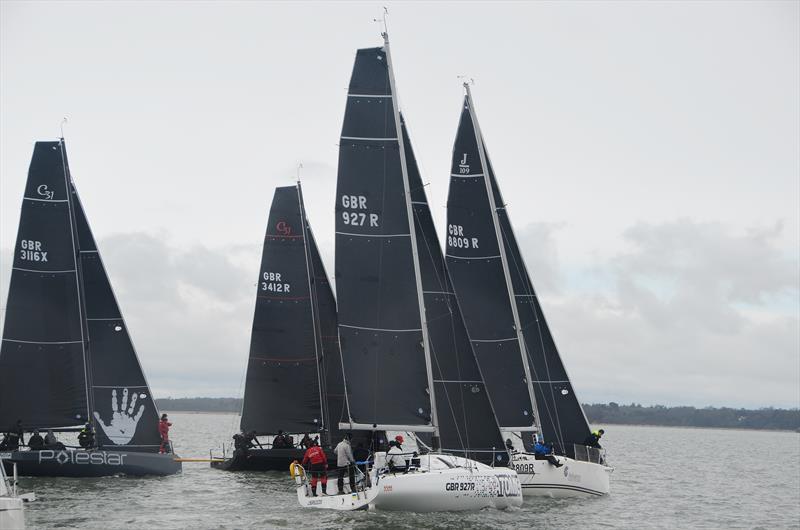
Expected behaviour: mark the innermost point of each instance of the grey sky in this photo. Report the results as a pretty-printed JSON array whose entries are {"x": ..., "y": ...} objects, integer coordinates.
[{"x": 649, "y": 152}]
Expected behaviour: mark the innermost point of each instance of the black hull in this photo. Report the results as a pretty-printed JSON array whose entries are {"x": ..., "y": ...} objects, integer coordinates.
[
  {"x": 267, "y": 460},
  {"x": 98, "y": 463}
]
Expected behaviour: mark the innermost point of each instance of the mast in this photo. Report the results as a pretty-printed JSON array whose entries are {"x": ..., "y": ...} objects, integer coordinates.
[
  {"x": 313, "y": 295},
  {"x": 79, "y": 283},
  {"x": 414, "y": 251},
  {"x": 503, "y": 257}
]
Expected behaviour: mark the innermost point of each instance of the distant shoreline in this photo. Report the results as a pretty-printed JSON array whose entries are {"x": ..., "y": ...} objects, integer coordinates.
[{"x": 766, "y": 419}]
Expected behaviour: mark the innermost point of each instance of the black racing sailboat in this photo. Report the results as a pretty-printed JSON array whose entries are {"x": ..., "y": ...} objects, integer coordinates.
[
  {"x": 66, "y": 357},
  {"x": 294, "y": 378},
  {"x": 523, "y": 369},
  {"x": 408, "y": 362},
  {"x": 521, "y": 364}
]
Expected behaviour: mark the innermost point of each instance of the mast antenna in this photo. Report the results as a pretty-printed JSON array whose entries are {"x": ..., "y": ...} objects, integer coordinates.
[
  {"x": 63, "y": 121},
  {"x": 466, "y": 80},
  {"x": 382, "y": 20},
  {"x": 299, "y": 167}
]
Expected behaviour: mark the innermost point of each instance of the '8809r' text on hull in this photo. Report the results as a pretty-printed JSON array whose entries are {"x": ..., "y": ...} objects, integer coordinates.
[{"x": 96, "y": 463}]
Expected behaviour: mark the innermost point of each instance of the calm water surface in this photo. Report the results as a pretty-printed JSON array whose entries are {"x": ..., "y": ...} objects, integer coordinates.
[{"x": 664, "y": 477}]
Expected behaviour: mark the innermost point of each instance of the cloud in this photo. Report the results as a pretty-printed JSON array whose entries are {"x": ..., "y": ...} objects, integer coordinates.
[{"x": 691, "y": 313}]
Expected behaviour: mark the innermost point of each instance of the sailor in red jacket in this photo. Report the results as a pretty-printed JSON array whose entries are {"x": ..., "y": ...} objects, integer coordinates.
[
  {"x": 163, "y": 430},
  {"x": 319, "y": 467}
]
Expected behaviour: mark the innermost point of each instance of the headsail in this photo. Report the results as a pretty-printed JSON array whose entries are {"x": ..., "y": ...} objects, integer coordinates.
[
  {"x": 380, "y": 325},
  {"x": 124, "y": 410},
  {"x": 42, "y": 358},
  {"x": 476, "y": 262},
  {"x": 283, "y": 387},
  {"x": 467, "y": 421}
]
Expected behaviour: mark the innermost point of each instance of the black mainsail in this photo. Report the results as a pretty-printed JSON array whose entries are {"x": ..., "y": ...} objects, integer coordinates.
[
  {"x": 380, "y": 324},
  {"x": 293, "y": 352},
  {"x": 66, "y": 355},
  {"x": 516, "y": 351},
  {"x": 406, "y": 354}
]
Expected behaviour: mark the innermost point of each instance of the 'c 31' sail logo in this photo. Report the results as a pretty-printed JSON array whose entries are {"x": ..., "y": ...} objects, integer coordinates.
[
  {"x": 283, "y": 228},
  {"x": 44, "y": 192}
]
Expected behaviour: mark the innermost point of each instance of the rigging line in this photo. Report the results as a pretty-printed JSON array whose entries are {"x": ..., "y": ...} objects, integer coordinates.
[{"x": 75, "y": 250}]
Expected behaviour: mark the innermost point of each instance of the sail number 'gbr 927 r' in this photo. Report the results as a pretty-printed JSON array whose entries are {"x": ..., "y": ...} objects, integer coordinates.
[{"x": 357, "y": 218}]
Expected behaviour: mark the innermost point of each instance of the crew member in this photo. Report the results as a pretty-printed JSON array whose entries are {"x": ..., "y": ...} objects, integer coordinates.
[
  {"x": 546, "y": 451},
  {"x": 280, "y": 441},
  {"x": 51, "y": 442},
  {"x": 346, "y": 463},
  {"x": 86, "y": 436},
  {"x": 318, "y": 467},
  {"x": 163, "y": 430},
  {"x": 593, "y": 440},
  {"x": 395, "y": 459},
  {"x": 305, "y": 443},
  {"x": 36, "y": 442}
]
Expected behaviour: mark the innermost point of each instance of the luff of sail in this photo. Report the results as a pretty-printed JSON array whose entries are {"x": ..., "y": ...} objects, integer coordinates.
[
  {"x": 42, "y": 358},
  {"x": 380, "y": 326},
  {"x": 283, "y": 388},
  {"x": 124, "y": 411}
]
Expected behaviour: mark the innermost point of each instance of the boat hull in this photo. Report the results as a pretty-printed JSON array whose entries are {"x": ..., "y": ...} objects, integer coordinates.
[
  {"x": 96, "y": 463},
  {"x": 452, "y": 490},
  {"x": 267, "y": 460},
  {"x": 575, "y": 478},
  {"x": 12, "y": 514}
]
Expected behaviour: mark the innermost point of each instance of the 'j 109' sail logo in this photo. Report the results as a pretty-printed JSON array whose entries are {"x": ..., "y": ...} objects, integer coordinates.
[
  {"x": 44, "y": 192},
  {"x": 283, "y": 228},
  {"x": 463, "y": 167}
]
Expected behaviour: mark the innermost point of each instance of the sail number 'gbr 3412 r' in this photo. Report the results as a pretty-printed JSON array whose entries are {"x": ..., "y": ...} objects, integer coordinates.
[
  {"x": 271, "y": 281},
  {"x": 357, "y": 218}
]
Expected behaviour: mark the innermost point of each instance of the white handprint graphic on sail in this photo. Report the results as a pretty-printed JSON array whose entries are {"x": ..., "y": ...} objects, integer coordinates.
[{"x": 123, "y": 423}]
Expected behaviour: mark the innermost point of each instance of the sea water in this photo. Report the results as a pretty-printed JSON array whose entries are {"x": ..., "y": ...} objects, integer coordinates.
[{"x": 664, "y": 478}]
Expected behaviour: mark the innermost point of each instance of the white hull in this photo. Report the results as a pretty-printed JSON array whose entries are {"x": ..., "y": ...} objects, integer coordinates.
[
  {"x": 575, "y": 478},
  {"x": 12, "y": 515},
  {"x": 442, "y": 483}
]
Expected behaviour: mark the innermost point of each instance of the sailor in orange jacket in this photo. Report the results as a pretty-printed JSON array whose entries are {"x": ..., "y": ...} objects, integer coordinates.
[{"x": 318, "y": 469}]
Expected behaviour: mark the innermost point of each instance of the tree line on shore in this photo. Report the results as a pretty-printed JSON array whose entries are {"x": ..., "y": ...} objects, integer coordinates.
[{"x": 597, "y": 413}]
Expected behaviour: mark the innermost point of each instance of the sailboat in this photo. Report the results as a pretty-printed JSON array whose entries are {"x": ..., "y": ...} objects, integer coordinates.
[
  {"x": 294, "y": 375},
  {"x": 407, "y": 360},
  {"x": 66, "y": 358},
  {"x": 523, "y": 370}
]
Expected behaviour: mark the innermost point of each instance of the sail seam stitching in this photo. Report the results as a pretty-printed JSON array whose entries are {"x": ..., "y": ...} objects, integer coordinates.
[{"x": 378, "y": 329}]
